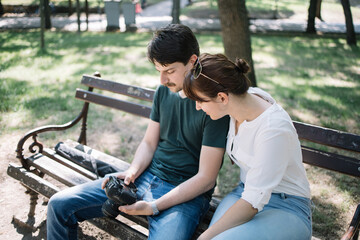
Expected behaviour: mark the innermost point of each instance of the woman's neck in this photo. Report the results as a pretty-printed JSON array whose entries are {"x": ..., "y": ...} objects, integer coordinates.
[{"x": 246, "y": 107}]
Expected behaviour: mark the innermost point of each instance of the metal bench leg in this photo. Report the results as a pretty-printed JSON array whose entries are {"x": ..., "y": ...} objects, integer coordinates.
[{"x": 29, "y": 224}]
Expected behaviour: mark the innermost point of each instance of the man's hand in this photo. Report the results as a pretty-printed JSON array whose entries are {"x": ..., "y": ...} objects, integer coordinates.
[
  {"x": 138, "y": 208},
  {"x": 128, "y": 176}
]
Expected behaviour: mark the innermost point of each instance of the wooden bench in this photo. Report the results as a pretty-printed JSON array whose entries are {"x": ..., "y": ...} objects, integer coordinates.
[{"x": 44, "y": 160}]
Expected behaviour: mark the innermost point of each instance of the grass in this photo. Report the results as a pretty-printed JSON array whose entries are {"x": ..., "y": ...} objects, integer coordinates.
[{"x": 317, "y": 80}]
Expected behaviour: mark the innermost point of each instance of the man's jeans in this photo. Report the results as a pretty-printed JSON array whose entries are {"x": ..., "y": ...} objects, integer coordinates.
[{"x": 70, "y": 206}]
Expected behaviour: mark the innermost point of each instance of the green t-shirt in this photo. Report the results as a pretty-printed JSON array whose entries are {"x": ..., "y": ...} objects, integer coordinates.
[{"x": 183, "y": 130}]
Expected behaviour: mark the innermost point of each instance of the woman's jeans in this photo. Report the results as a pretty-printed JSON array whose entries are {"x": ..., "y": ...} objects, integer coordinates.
[
  {"x": 70, "y": 206},
  {"x": 284, "y": 217}
]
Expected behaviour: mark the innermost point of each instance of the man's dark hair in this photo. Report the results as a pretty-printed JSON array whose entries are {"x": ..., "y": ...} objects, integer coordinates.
[{"x": 173, "y": 43}]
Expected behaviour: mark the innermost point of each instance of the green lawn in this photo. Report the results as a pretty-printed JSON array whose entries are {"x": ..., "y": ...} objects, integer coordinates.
[{"x": 317, "y": 80}]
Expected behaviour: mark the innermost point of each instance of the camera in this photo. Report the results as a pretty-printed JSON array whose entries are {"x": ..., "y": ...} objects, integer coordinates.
[{"x": 118, "y": 194}]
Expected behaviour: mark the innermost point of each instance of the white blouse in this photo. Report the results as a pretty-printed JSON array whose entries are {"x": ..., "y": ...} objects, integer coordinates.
[{"x": 268, "y": 152}]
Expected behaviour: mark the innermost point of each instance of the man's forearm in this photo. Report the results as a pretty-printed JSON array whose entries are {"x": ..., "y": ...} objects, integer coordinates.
[{"x": 142, "y": 159}]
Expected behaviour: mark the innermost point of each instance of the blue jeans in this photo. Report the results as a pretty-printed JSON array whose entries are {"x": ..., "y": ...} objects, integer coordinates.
[
  {"x": 284, "y": 217},
  {"x": 70, "y": 206}
]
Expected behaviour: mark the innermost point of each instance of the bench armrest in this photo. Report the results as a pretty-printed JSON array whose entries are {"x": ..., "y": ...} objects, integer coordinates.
[{"x": 34, "y": 132}]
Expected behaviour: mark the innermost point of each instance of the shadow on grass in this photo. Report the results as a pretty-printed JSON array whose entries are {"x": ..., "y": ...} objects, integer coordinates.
[
  {"x": 335, "y": 196},
  {"x": 329, "y": 104},
  {"x": 312, "y": 74},
  {"x": 325, "y": 219}
]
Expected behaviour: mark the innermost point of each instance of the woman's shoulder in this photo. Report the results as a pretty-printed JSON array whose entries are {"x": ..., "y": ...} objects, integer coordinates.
[{"x": 261, "y": 93}]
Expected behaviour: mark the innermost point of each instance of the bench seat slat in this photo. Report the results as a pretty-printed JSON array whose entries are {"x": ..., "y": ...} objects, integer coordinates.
[
  {"x": 118, "y": 229},
  {"x": 32, "y": 180},
  {"x": 56, "y": 170},
  {"x": 331, "y": 161},
  {"x": 115, "y": 87},
  {"x": 134, "y": 108}
]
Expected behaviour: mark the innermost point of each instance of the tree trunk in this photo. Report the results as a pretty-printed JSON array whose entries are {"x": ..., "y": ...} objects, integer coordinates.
[
  {"x": 1, "y": 9},
  {"x": 175, "y": 13},
  {"x": 87, "y": 14},
  {"x": 311, "y": 17},
  {"x": 78, "y": 14},
  {"x": 42, "y": 24},
  {"x": 235, "y": 32},
  {"x": 47, "y": 14},
  {"x": 318, "y": 10},
  {"x": 350, "y": 32},
  {"x": 70, "y": 8}
]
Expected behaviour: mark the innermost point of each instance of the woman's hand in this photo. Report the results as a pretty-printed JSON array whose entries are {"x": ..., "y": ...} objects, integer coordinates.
[{"x": 138, "y": 208}]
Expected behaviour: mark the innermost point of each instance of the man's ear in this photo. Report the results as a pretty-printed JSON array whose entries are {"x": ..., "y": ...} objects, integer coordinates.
[
  {"x": 192, "y": 59},
  {"x": 223, "y": 97}
]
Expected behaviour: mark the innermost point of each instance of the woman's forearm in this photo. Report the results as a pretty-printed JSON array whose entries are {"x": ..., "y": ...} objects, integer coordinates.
[{"x": 239, "y": 213}]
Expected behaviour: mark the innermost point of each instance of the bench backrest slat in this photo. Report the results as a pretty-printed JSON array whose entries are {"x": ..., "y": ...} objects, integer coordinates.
[
  {"x": 328, "y": 137},
  {"x": 115, "y": 87},
  {"x": 134, "y": 108},
  {"x": 331, "y": 161}
]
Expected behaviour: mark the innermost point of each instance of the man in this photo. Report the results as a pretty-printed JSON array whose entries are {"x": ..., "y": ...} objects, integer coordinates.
[{"x": 176, "y": 163}]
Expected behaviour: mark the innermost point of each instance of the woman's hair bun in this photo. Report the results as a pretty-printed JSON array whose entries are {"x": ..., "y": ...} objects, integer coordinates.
[{"x": 242, "y": 65}]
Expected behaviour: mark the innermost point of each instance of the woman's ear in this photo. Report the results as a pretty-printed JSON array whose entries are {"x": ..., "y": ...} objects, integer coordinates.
[{"x": 223, "y": 97}]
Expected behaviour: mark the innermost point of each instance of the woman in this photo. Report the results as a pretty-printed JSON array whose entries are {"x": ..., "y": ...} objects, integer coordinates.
[{"x": 272, "y": 200}]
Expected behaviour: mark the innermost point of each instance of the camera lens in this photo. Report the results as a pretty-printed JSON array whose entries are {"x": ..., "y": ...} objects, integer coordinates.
[{"x": 110, "y": 209}]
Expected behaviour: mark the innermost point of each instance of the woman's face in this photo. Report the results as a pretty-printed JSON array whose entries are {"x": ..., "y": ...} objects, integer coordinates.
[{"x": 213, "y": 107}]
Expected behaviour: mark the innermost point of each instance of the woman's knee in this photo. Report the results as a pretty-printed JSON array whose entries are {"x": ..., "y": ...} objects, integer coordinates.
[{"x": 224, "y": 205}]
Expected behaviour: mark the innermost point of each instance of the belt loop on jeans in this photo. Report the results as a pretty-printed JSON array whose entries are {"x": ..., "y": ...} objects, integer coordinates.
[{"x": 282, "y": 195}]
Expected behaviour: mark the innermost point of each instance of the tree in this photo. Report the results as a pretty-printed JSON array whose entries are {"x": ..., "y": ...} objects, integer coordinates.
[
  {"x": 1, "y": 9},
  {"x": 42, "y": 24},
  {"x": 235, "y": 32},
  {"x": 350, "y": 32},
  {"x": 47, "y": 13},
  {"x": 175, "y": 13},
  {"x": 311, "y": 17},
  {"x": 318, "y": 10},
  {"x": 314, "y": 11}
]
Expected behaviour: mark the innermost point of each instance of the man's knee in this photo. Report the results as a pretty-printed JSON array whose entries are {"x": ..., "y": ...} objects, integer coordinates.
[{"x": 57, "y": 202}]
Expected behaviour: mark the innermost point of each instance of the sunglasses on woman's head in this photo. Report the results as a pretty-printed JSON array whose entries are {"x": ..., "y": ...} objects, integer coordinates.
[{"x": 197, "y": 71}]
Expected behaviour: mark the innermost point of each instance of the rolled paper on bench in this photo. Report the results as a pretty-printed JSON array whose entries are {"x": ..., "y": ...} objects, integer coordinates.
[{"x": 85, "y": 160}]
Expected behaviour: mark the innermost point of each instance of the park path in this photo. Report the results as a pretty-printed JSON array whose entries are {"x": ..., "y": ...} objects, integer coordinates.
[{"x": 158, "y": 15}]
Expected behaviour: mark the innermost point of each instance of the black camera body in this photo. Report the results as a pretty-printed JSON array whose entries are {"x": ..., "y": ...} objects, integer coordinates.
[{"x": 118, "y": 194}]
